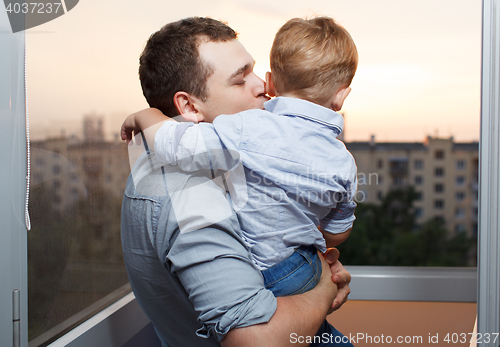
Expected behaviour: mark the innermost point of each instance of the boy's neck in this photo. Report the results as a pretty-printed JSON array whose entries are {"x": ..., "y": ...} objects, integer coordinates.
[{"x": 292, "y": 95}]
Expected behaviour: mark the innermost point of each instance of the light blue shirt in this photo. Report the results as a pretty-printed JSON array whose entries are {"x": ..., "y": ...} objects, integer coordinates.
[
  {"x": 296, "y": 174},
  {"x": 187, "y": 264}
]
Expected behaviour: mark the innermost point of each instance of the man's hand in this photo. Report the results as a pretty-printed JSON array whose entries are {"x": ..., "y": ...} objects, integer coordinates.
[
  {"x": 340, "y": 276},
  {"x": 300, "y": 314}
]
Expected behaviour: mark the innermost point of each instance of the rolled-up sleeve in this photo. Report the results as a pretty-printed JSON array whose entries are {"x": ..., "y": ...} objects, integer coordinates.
[
  {"x": 224, "y": 286},
  {"x": 341, "y": 218}
]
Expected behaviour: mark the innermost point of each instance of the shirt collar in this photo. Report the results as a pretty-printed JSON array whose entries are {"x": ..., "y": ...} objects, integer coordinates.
[{"x": 305, "y": 109}]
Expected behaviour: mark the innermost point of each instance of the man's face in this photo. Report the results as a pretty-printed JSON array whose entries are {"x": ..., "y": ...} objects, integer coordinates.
[{"x": 233, "y": 87}]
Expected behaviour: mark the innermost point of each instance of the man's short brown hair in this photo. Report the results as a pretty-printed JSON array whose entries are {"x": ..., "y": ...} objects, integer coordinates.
[
  {"x": 170, "y": 61},
  {"x": 313, "y": 59}
]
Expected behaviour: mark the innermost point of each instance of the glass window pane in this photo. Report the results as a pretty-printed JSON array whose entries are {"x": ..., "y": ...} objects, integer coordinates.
[
  {"x": 74, "y": 249},
  {"x": 432, "y": 161},
  {"x": 79, "y": 171}
]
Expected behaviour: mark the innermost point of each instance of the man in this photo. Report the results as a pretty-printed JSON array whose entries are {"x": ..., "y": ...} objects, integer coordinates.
[{"x": 187, "y": 263}]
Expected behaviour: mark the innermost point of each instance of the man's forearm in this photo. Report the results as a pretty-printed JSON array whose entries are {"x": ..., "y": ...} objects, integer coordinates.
[{"x": 296, "y": 315}]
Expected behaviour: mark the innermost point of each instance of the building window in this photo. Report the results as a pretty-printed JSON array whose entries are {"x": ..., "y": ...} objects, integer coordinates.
[
  {"x": 56, "y": 184},
  {"x": 419, "y": 212},
  {"x": 474, "y": 229},
  {"x": 460, "y": 164},
  {"x": 418, "y": 180},
  {"x": 399, "y": 166},
  {"x": 439, "y": 154},
  {"x": 439, "y": 219},
  {"x": 419, "y": 196},
  {"x": 398, "y": 181},
  {"x": 438, "y": 204},
  {"x": 459, "y": 196},
  {"x": 460, "y": 180},
  {"x": 380, "y": 195},
  {"x": 380, "y": 179},
  {"x": 380, "y": 164},
  {"x": 459, "y": 212},
  {"x": 439, "y": 172},
  {"x": 37, "y": 178},
  {"x": 418, "y": 164},
  {"x": 39, "y": 162},
  {"x": 439, "y": 187},
  {"x": 56, "y": 169},
  {"x": 459, "y": 228}
]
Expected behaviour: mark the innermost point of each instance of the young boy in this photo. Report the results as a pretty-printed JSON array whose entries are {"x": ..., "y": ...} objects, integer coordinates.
[{"x": 297, "y": 175}]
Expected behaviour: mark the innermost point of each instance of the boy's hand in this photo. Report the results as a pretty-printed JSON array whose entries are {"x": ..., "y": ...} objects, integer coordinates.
[
  {"x": 129, "y": 127},
  {"x": 340, "y": 276},
  {"x": 146, "y": 121}
]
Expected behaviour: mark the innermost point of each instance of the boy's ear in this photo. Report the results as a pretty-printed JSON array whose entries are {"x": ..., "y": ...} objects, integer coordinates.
[
  {"x": 338, "y": 100},
  {"x": 186, "y": 105},
  {"x": 270, "y": 85}
]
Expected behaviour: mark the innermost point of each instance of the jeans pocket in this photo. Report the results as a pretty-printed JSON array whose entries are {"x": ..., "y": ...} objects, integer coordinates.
[{"x": 294, "y": 275}]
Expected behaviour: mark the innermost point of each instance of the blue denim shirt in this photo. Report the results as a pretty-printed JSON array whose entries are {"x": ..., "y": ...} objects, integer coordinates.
[
  {"x": 296, "y": 175},
  {"x": 187, "y": 263}
]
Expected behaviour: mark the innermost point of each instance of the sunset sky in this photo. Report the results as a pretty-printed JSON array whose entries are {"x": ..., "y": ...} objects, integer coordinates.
[{"x": 418, "y": 75}]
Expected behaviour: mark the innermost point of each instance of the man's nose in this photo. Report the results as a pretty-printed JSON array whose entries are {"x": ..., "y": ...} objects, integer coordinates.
[{"x": 259, "y": 85}]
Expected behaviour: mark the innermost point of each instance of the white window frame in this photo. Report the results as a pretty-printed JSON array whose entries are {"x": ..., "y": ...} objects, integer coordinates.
[
  {"x": 489, "y": 174},
  {"x": 13, "y": 236}
]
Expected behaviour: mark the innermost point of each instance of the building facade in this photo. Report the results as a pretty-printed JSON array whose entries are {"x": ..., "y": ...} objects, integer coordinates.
[
  {"x": 443, "y": 173},
  {"x": 73, "y": 168}
]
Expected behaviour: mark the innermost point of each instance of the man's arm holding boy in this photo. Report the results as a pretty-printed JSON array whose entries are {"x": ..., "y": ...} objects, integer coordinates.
[{"x": 285, "y": 321}]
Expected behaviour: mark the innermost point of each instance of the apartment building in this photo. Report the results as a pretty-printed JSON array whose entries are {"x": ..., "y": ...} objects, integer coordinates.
[
  {"x": 444, "y": 174},
  {"x": 72, "y": 168}
]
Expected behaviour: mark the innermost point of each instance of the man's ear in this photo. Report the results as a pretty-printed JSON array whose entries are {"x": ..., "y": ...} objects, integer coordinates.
[
  {"x": 338, "y": 100},
  {"x": 186, "y": 106},
  {"x": 270, "y": 90}
]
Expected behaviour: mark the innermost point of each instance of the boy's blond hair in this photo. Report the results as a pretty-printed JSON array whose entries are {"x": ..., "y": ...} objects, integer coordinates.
[{"x": 312, "y": 59}]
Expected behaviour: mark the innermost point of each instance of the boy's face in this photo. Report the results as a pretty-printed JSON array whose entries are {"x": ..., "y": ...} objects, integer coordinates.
[{"x": 233, "y": 87}]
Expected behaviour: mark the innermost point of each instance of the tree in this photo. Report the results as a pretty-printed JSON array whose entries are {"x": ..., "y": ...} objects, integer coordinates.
[{"x": 387, "y": 234}]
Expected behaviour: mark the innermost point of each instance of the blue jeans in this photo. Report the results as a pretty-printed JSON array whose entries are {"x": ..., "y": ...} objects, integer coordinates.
[{"x": 297, "y": 274}]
